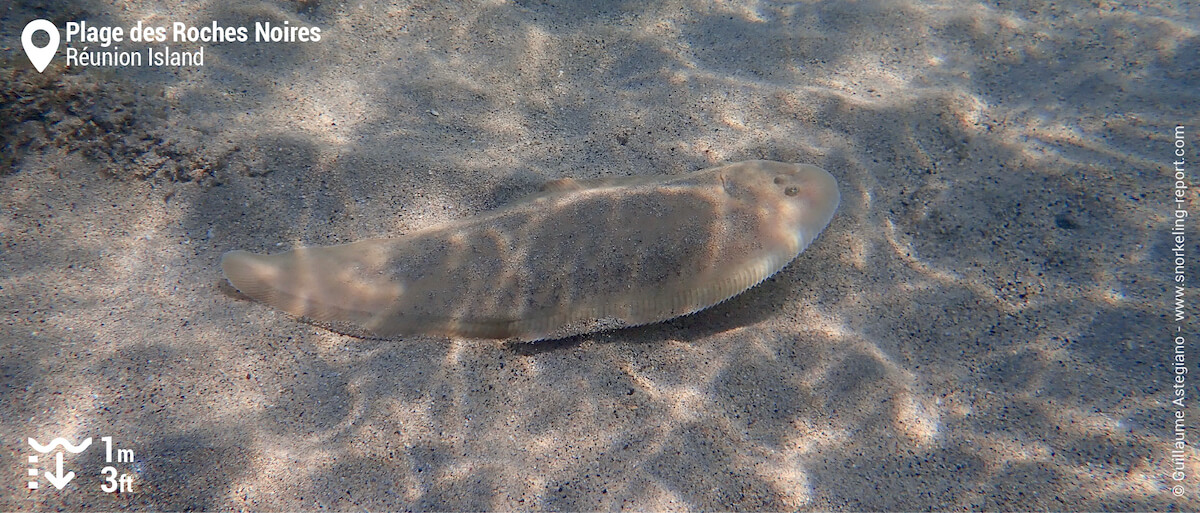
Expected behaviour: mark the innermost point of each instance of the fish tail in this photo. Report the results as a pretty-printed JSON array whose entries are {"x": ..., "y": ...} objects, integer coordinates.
[{"x": 324, "y": 284}]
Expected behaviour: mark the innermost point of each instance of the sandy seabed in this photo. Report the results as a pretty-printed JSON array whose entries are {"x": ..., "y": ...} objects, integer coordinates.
[{"x": 985, "y": 325}]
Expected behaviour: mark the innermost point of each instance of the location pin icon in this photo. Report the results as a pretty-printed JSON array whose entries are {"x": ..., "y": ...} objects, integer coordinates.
[{"x": 40, "y": 57}]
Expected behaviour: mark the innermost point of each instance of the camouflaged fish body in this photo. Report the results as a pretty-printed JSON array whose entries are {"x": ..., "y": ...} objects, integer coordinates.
[{"x": 576, "y": 258}]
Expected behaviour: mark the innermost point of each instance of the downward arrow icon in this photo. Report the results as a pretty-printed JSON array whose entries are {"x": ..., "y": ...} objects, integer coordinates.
[{"x": 59, "y": 480}]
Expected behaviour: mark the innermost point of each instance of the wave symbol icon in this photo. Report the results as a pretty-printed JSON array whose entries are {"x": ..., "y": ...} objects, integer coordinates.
[{"x": 73, "y": 449}]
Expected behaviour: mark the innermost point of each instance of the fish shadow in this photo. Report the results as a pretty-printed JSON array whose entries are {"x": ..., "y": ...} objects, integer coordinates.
[{"x": 754, "y": 306}]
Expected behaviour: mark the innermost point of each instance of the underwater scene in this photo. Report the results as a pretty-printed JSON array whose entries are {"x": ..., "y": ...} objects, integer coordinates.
[{"x": 743, "y": 255}]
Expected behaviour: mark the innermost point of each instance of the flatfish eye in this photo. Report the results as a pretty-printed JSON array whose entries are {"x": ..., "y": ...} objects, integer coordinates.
[
  {"x": 730, "y": 186},
  {"x": 791, "y": 190}
]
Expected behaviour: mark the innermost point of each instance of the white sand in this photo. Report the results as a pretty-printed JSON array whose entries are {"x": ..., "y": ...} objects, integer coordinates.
[{"x": 983, "y": 325}]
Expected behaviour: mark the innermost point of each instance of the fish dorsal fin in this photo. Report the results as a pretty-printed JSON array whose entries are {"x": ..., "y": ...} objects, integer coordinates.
[
  {"x": 560, "y": 185},
  {"x": 550, "y": 189},
  {"x": 563, "y": 186}
]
